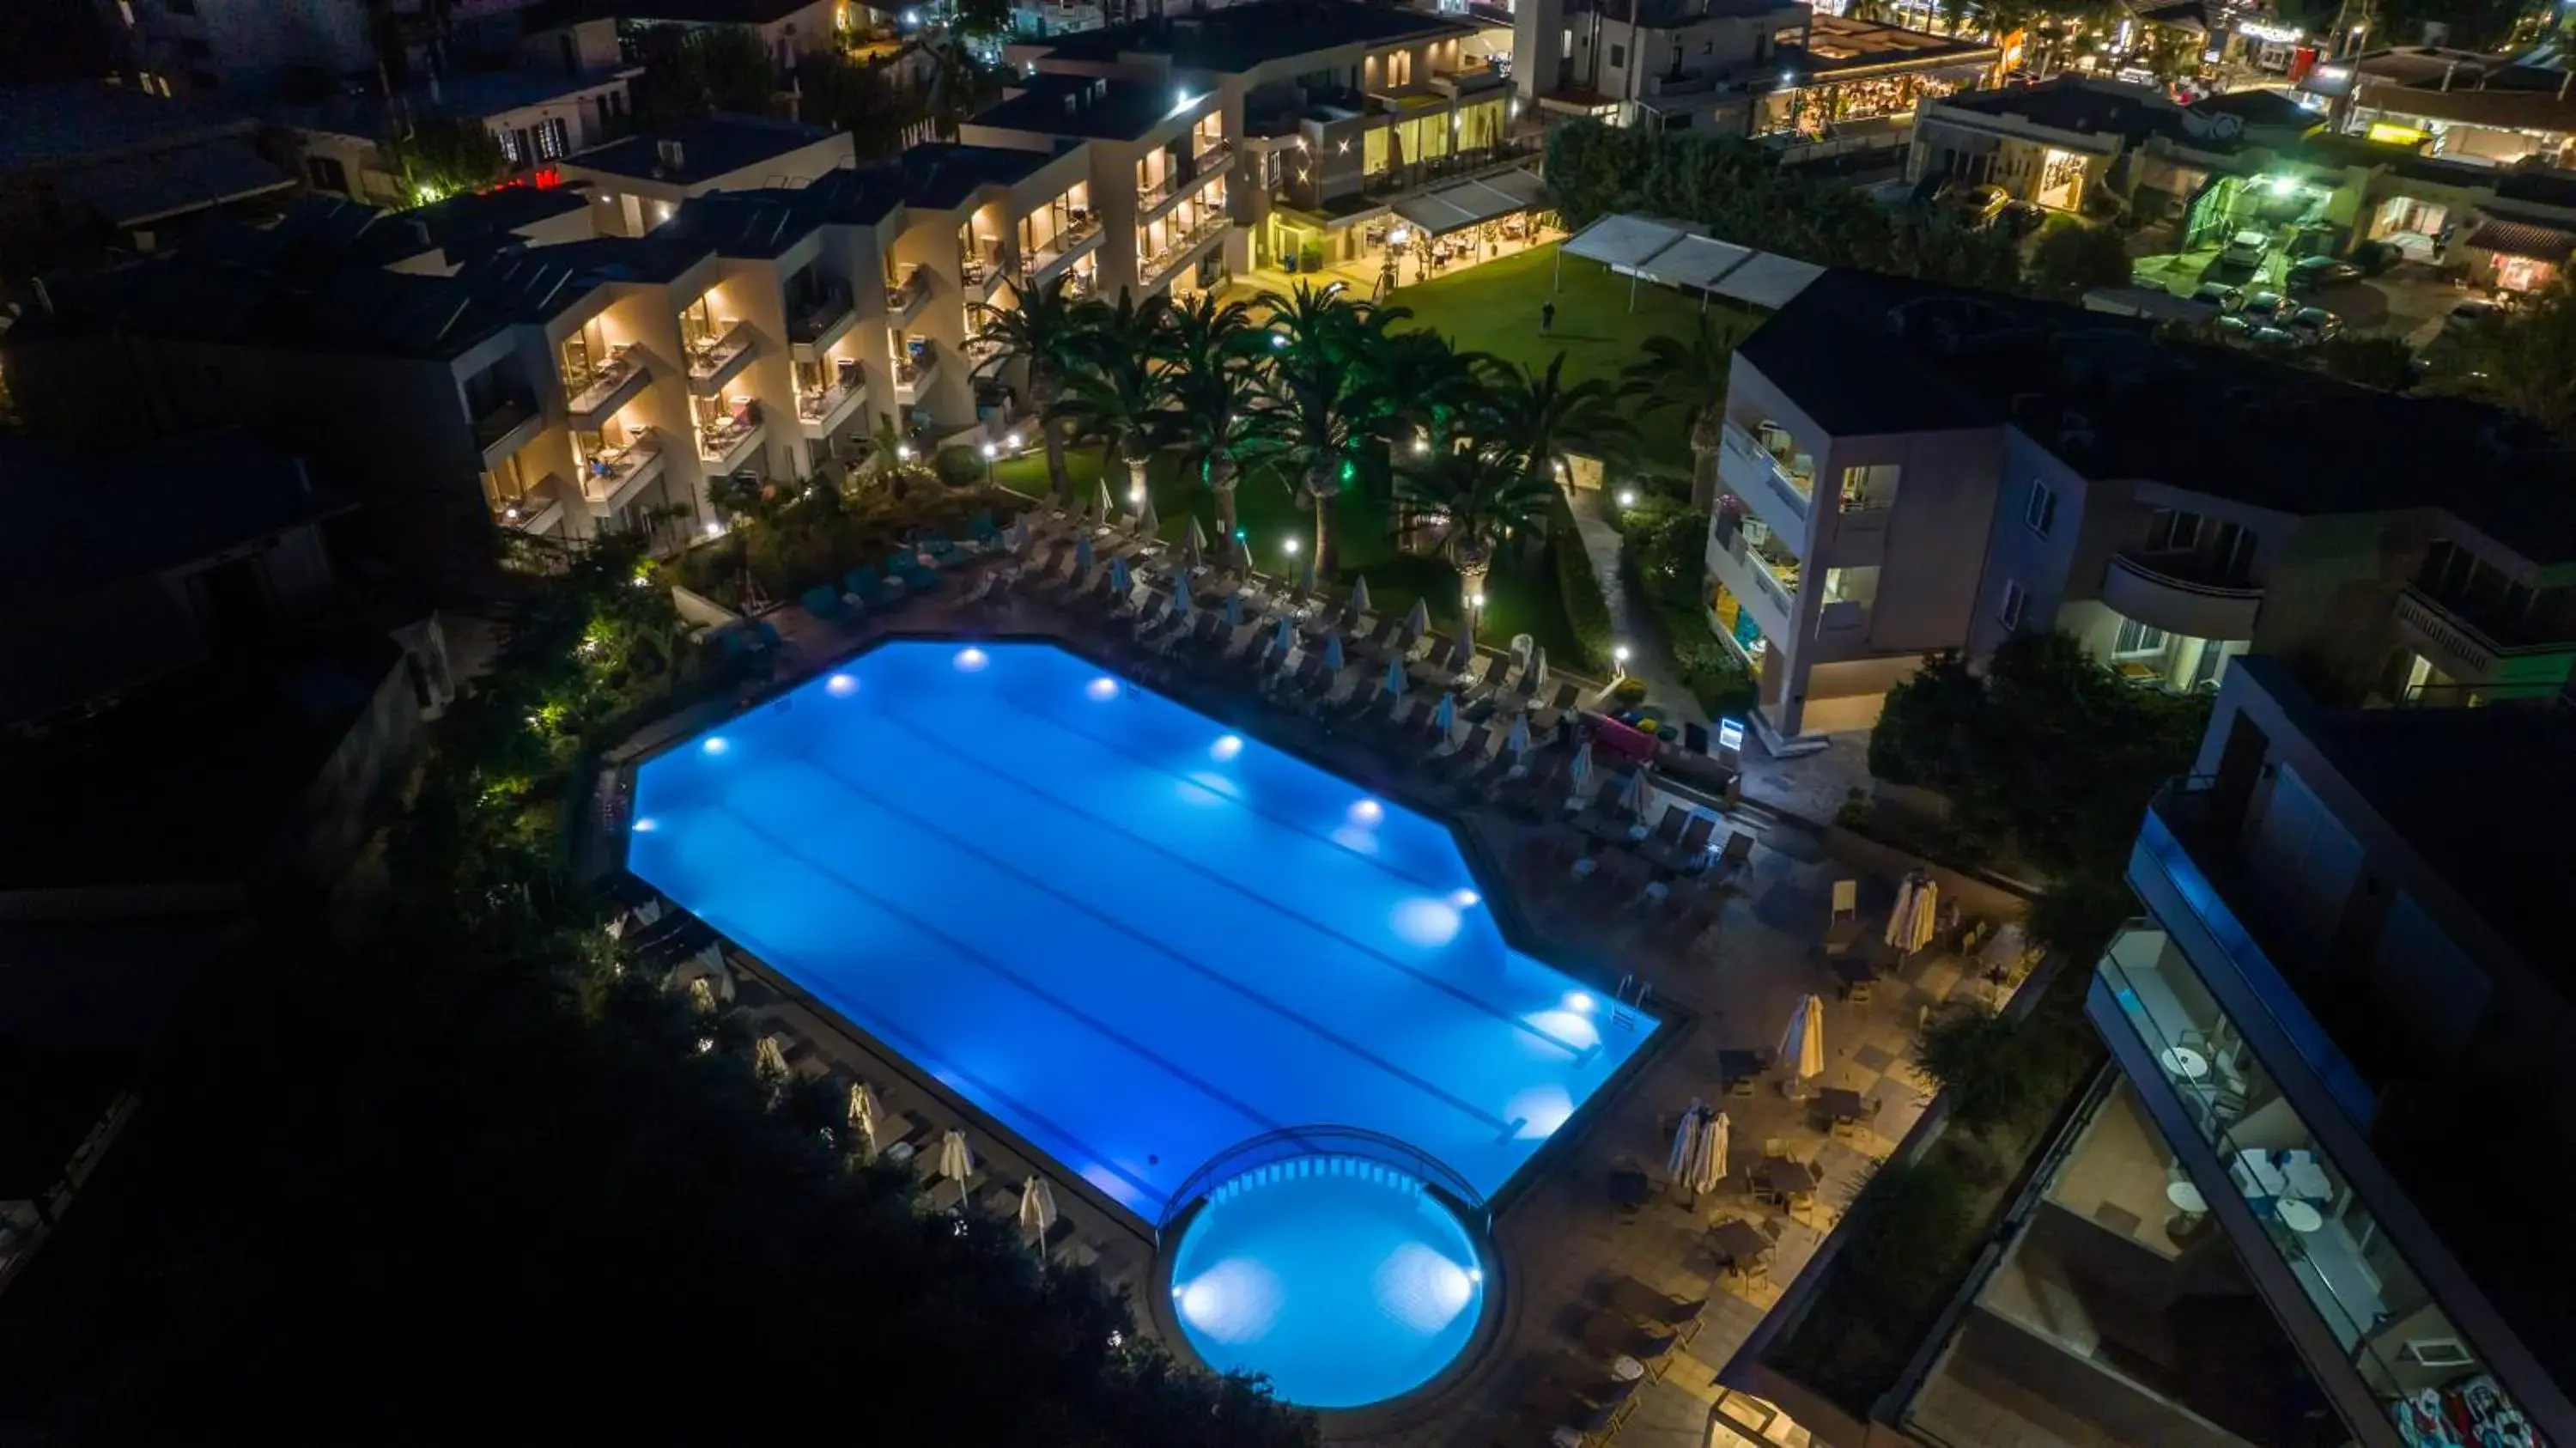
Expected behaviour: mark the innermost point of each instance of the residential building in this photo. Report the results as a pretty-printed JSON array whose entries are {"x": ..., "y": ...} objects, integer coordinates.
[
  {"x": 1325, "y": 114},
  {"x": 1678, "y": 63},
  {"x": 787, "y": 28},
  {"x": 85, "y": 166},
  {"x": 2172, "y": 507},
  {"x": 638, "y": 183},
  {"x": 2349, "y": 983},
  {"x": 2493, "y": 109},
  {"x": 540, "y": 118},
  {"x": 2057, "y": 143}
]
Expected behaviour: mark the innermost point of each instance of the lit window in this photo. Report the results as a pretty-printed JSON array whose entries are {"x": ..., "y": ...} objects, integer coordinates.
[
  {"x": 515, "y": 153},
  {"x": 550, "y": 139},
  {"x": 2015, "y": 603},
  {"x": 2137, "y": 640}
]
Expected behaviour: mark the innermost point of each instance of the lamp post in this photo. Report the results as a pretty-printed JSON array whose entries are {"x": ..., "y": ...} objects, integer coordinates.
[
  {"x": 1619, "y": 661},
  {"x": 990, "y": 452},
  {"x": 1475, "y": 611}
]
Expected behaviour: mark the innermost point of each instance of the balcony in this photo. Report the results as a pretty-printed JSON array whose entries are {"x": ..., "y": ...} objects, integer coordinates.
[
  {"x": 506, "y": 426},
  {"x": 1040, "y": 265},
  {"x": 1469, "y": 79},
  {"x": 817, "y": 413},
  {"x": 2160, "y": 591},
  {"x": 906, "y": 298},
  {"x": 1747, "y": 468},
  {"x": 1153, "y": 271},
  {"x": 538, "y": 515},
  {"x": 730, "y": 441},
  {"x": 2463, "y": 650},
  {"x": 1734, "y": 561},
  {"x": 914, "y": 372},
  {"x": 982, "y": 274},
  {"x": 611, "y": 480},
  {"x": 822, "y": 322},
  {"x": 713, "y": 364},
  {"x": 1215, "y": 156},
  {"x": 595, "y": 398}
]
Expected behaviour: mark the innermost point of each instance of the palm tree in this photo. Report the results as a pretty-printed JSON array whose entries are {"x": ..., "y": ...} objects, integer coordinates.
[
  {"x": 1114, "y": 396},
  {"x": 1318, "y": 410},
  {"x": 1431, "y": 389},
  {"x": 1210, "y": 388},
  {"x": 1475, "y": 497},
  {"x": 1687, "y": 375},
  {"x": 1045, "y": 332},
  {"x": 891, "y": 460},
  {"x": 1538, "y": 418}
]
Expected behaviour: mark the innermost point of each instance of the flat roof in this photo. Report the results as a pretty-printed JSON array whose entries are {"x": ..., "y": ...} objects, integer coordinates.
[
  {"x": 64, "y": 122},
  {"x": 1836, "y": 44},
  {"x": 2085, "y": 107},
  {"x": 470, "y": 218},
  {"x": 766, "y": 222},
  {"x": 1242, "y": 37},
  {"x": 461, "y": 93},
  {"x": 697, "y": 12},
  {"x": 145, "y": 186},
  {"x": 1865, "y": 353},
  {"x": 1081, "y": 105},
  {"x": 711, "y": 146},
  {"x": 947, "y": 174}
]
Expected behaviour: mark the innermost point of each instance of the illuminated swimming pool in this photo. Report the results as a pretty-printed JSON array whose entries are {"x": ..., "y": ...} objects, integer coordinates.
[
  {"x": 1339, "y": 1277},
  {"x": 1131, "y": 937}
]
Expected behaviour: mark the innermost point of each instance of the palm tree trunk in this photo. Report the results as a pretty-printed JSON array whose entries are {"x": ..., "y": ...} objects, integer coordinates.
[
  {"x": 1057, "y": 477},
  {"x": 1703, "y": 476},
  {"x": 1218, "y": 472}
]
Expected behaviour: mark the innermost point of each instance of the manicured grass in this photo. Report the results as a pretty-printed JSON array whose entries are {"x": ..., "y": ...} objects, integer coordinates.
[
  {"x": 1520, "y": 594},
  {"x": 1494, "y": 307}
]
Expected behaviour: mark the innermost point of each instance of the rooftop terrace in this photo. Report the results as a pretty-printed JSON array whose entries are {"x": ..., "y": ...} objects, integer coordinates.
[{"x": 1243, "y": 37}]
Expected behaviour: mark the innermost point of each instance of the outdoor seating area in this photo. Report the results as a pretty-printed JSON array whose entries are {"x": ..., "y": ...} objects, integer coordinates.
[{"x": 1649, "y": 1253}]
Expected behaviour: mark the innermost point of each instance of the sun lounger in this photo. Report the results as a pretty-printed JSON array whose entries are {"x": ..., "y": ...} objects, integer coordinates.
[
  {"x": 1666, "y": 833},
  {"x": 1732, "y": 860},
  {"x": 1691, "y": 850}
]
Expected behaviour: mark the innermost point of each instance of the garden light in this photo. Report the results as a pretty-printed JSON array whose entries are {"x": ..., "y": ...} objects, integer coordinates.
[
  {"x": 991, "y": 452},
  {"x": 1627, "y": 497}
]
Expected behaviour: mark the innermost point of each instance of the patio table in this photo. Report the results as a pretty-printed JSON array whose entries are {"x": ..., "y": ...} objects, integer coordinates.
[
  {"x": 1788, "y": 1178},
  {"x": 1738, "y": 1243},
  {"x": 1843, "y": 1104}
]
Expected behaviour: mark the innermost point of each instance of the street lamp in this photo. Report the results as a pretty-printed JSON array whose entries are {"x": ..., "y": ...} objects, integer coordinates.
[
  {"x": 903, "y": 452},
  {"x": 990, "y": 452},
  {"x": 1289, "y": 547},
  {"x": 1475, "y": 610}
]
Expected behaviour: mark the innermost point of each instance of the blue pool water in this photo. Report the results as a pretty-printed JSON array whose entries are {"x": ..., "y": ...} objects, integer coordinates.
[
  {"x": 1341, "y": 1279},
  {"x": 1133, "y": 938}
]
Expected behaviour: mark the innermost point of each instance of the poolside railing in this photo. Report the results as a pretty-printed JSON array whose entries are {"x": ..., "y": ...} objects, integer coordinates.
[{"x": 1294, "y": 1143}]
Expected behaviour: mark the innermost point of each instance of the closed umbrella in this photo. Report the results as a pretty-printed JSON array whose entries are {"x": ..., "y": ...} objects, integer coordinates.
[
  {"x": 1518, "y": 741},
  {"x": 1120, "y": 582},
  {"x": 1181, "y": 594},
  {"x": 956, "y": 1163},
  {"x": 1333, "y": 654},
  {"x": 1082, "y": 556},
  {"x": 1359, "y": 595},
  {"x": 1632, "y": 794},
  {"x": 1016, "y": 537},
  {"x": 1538, "y": 671},
  {"x": 1146, "y": 523},
  {"x": 1444, "y": 717},
  {"x": 1107, "y": 510},
  {"x": 1802, "y": 1047},
  {"x": 1286, "y": 637},
  {"x": 1196, "y": 540},
  {"x": 1580, "y": 774},
  {"x": 1909, "y": 925},
  {"x": 1681, "y": 1163},
  {"x": 1393, "y": 683},
  {"x": 1037, "y": 1212},
  {"x": 1234, "y": 610},
  {"x": 1717, "y": 1136},
  {"x": 1417, "y": 621},
  {"x": 863, "y": 1114}
]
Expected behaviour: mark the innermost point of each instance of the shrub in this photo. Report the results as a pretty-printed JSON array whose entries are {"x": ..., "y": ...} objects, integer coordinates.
[
  {"x": 1996, "y": 1068},
  {"x": 2374, "y": 257},
  {"x": 1310, "y": 257},
  {"x": 958, "y": 466},
  {"x": 1587, "y": 614},
  {"x": 1908, "y": 1231}
]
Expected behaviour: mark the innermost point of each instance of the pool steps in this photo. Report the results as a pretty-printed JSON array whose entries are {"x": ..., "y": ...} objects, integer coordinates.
[{"x": 1312, "y": 1166}]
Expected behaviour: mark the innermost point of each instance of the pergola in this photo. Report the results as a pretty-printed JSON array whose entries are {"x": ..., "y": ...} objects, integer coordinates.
[
  {"x": 1681, "y": 255},
  {"x": 1471, "y": 203}
]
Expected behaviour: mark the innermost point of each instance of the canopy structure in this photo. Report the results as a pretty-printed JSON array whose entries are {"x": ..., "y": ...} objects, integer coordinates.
[
  {"x": 1469, "y": 203},
  {"x": 1677, "y": 254}
]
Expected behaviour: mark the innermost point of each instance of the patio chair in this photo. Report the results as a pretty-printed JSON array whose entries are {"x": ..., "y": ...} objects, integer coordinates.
[
  {"x": 1558, "y": 705},
  {"x": 1690, "y": 852},
  {"x": 1842, "y": 925},
  {"x": 825, "y": 604},
  {"x": 1666, "y": 834},
  {"x": 1732, "y": 860}
]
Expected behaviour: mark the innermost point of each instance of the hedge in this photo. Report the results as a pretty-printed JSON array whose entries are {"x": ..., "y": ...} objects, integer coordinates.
[{"x": 1587, "y": 613}]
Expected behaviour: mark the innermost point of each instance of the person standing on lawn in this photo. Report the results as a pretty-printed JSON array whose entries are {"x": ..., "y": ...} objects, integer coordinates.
[{"x": 1547, "y": 316}]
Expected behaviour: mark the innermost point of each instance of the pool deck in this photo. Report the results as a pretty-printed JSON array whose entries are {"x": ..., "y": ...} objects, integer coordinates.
[{"x": 1561, "y": 1238}]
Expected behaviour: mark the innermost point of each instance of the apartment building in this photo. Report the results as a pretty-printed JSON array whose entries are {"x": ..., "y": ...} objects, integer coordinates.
[
  {"x": 539, "y": 118},
  {"x": 1324, "y": 114},
  {"x": 1679, "y": 62},
  {"x": 637, "y": 183},
  {"x": 787, "y": 29},
  {"x": 1906, "y": 469}
]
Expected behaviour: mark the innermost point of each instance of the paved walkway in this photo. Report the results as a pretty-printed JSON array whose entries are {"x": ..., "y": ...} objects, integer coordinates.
[{"x": 1648, "y": 659}]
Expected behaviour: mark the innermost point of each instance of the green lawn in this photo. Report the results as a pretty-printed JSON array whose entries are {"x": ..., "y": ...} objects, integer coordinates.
[
  {"x": 1520, "y": 596},
  {"x": 1494, "y": 307}
]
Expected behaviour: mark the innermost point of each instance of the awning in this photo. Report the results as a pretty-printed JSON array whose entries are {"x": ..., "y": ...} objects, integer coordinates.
[
  {"x": 143, "y": 188},
  {"x": 1469, "y": 203},
  {"x": 1696, "y": 262},
  {"x": 1625, "y": 242},
  {"x": 2522, "y": 238},
  {"x": 1768, "y": 281}
]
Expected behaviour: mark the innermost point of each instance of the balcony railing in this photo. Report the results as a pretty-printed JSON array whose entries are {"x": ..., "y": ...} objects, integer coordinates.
[
  {"x": 1035, "y": 266},
  {"x": 913, "y": 371},
  {"x": 817, "y": 411},
  {"x": 595, "y": 391},
  {"x": 2162, "y": 591},
  {"x": 2478, "y": 645},
  {"x": 1153, "y": 269},
  {"x": 1214, "y": 153},
  {"x": 506, "y": 424},
  {"x": 711, "y": 362},
  {"x": 904, "y": 298},
  {"x": 723, "y": 441},
  {"x": 819, "y": 320},
  {"x": 1739, "y": 456},
  {"x": 610, "y": 478}
]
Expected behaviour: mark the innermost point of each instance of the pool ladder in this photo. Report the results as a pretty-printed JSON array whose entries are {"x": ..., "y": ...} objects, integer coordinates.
[{"x": 1628, "y": 1001}]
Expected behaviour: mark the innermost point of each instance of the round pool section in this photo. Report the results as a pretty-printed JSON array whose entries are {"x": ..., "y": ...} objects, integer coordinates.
[{"x": 1345, "y": 1281}]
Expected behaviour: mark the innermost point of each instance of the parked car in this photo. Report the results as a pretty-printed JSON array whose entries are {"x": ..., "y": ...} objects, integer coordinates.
[
  {"x": 2246, "y": 248},
  {"x": 2265, "y": 306},
  {"x": 2314, "y": 323},
  {"x": 2021, "y": 218},
  {"x": 2470, "y": 314},
  {"x": 2219, "y": 295},
  {"x": 2317, "y": 273},
  {"x": 2233, "y": 326},
  {"x": 2279, "y": 337},
  {"x": 1979, "y": 205}
]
